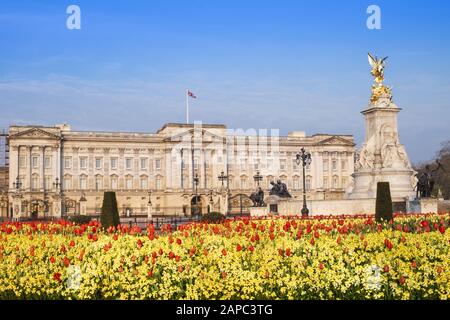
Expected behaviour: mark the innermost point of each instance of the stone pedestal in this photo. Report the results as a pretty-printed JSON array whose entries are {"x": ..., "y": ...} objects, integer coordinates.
[
  {"x": 149, "y": 212},
  {"x": 259, "y": 211},
  {"x": 57, "y": 207},
  {"x": 17, "y": 207},
  {"x": 428, "y": 205},
  {"x": 83, "y": 208},
  {"x": 382, "y": 157}
]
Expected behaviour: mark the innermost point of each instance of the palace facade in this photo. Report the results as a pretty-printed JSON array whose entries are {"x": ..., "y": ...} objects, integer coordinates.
[{"x": 55, "y": 171}]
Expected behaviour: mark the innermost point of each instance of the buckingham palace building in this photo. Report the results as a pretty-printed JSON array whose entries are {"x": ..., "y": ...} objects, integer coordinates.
[{"x": 56, "y": 171}]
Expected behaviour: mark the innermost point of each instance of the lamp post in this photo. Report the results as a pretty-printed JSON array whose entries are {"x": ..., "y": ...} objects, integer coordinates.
[
  {"x": 149, "y": 205},
  {"x": 222, "y": 177},
  {"x": 196, "y": 182},
  {"x": 18, "y": 184},
  {"x": 305, "y": 159},
  {"x": 257, "y": 177},
  {"x": 57, "y": 184}
]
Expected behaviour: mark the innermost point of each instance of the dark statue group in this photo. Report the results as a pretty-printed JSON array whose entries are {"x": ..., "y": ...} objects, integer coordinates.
[
  {"x": 278, "y": 189},
  {"x": 425, "y": 181}
]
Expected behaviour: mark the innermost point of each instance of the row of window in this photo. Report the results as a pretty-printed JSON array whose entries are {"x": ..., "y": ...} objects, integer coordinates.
[
  {"x": 35, "y": 161},
  {"x": 242, "y": 183},
  {"x": 334, "y": 164},
  {"x": 113, "y": 163}
]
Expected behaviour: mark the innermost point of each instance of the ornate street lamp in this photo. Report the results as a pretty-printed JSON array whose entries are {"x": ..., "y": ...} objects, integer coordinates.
[
  {"x": 57, "y": 184},
  {"x": 305, "y": 159},
  {"x": 257, "y": 177},
  {"x": 196, "y": 182},
  {"x": 222, "y": 177},
  {"x": 17, "y": 184}
]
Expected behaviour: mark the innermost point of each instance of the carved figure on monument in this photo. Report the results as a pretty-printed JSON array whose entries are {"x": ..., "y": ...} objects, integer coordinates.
[
  {"x": 366, "y": 159},
  {"x": 258, "y": 198}
]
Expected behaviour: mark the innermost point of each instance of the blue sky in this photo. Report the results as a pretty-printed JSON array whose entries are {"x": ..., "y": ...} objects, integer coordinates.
[{"x": 291, "y": 65}]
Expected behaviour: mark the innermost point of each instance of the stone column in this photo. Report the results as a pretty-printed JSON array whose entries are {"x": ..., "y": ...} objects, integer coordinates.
[
  {"x": 30, "y": 164},
  {"x": 42, "y": 148},
  {"x": 83, "y": 206}
]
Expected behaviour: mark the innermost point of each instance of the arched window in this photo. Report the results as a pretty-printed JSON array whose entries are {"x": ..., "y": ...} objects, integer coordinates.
[
  {"x": 308, "y": 183},
  {"x": 83, "y": 182},
  {"x": 98, "y": 182},
  {"x": 243, "y": 182},
  {"x": 114, "y": 182},
  {"x": 67, "y": 182},
  {"x": 296, "y": 181},
  {"x": 335, "y": 182},
  {"x": 129, "y": 182},
  {"x": 325, "y": 182},
  {"x": 35, "y": 182},
  {"x": 144, "y": 182}
]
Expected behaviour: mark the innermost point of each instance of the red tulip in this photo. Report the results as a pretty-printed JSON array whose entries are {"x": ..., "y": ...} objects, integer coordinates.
[
  {"x": 224, "y": 252},
  {"x": 386, "y": 268},
  {"x": 52, "y": 259},
  {"x": 66, "y": 262},
  {"x": 251, "y": 248},
  {"x": 442, "y": 229},
  {"x": 402, "y": 280},
  {"x": 238, "y": 247},
  {"x": 72, "y": 243},
  {"x": 57, "y": 276}
]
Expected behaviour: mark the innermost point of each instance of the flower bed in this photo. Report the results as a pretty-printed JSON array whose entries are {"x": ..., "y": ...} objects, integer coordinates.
[{"x": 276, "y": 258}]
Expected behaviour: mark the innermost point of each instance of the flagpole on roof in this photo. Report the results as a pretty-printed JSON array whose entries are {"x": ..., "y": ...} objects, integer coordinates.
[{"x": 187, "y": 106}]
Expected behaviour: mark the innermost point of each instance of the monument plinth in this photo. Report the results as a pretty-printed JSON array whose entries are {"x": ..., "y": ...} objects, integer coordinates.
[{"x": 382, "y": 157}]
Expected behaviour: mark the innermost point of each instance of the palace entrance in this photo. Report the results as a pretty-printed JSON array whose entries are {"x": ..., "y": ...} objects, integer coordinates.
[{"x": 196, "y": 205}]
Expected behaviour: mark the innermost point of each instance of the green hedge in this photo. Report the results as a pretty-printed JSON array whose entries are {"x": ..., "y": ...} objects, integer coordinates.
[
  {"x": 80, "y": 219},
  {"x": 110, "y": 213},
  {"x": 213, "y": 217},
  {"x": 383, "y": 208}
]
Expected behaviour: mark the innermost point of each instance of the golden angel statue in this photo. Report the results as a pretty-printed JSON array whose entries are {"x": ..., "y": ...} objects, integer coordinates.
[{"x": 377, "y": 72}]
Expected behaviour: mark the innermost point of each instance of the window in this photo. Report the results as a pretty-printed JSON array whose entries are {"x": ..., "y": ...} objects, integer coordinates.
[
  {"x": 144, "y": 164},
  {"x": 158, "y": 164},
  {"x": 294, "y": 164},
  {"x": 144, "y": 183},
  {"x": 335, "y": 182},
  {"x": 83, "y": 183},
  {"x": 283, "y": 164},
  {"x": 243, "y": 164},
  {"x": 83, "y": 162},
  {"x": 114, "y": 183},
  {"x": 48, "y": 162},
  {"x": 98, "y": 183},
  {"x": 344, "y": 164},
  {"x": 35, "y": 161},
  {"x": 113, "y": 163},
  {"x": 296, "y": 183},
  {"x": 334, "y": 165},
  {"x": 98, "y": 163},
  {"x": 128, "y": 163},
  {"x": 243, "y": 183},
  {"x": 129, "y": 183},
  {"x": 158, "y": 183},
  {"x": 67, "y": 162},
  {"x": 48, "y": 183},
  {"x": 344, "y": 182},
  {"x": 67, "y": 183},
  {"x": 22, "y": 162},
  {"x": 35, "y": 182},
  {"x": 325, "y": 182},
  {"x": 326, "y": 165},
  {"x": 308, "y": 183},
  {"x": 270, "y": 164}
]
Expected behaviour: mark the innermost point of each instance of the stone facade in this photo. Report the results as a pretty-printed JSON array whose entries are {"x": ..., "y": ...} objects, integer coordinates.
[
  {"x": 4, "y": 184},
  {"x": 65, "y": 172}
]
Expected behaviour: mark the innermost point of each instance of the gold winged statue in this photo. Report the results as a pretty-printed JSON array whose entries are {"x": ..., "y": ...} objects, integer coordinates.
[{"x": 377, "y": 72}]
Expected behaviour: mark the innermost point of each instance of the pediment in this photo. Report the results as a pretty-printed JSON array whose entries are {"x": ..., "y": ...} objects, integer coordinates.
[
  {"x": 35, "y": 133},
  {"x": 192, "y": 134},
  {"x": 336, "y": 141}
]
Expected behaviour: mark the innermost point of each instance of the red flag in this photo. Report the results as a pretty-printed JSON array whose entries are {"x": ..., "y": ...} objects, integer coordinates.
[{"x": 190, "y": 94}]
